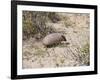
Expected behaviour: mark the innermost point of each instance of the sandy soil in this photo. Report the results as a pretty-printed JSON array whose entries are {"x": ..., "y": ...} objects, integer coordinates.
[{"x": 75, "y": 28}]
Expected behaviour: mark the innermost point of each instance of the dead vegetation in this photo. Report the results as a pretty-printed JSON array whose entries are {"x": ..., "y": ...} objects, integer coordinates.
[{"x": 34, "y": 23}]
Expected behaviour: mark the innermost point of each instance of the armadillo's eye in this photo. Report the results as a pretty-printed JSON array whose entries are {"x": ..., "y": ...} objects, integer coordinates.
[{"x": 64, "y": 38}]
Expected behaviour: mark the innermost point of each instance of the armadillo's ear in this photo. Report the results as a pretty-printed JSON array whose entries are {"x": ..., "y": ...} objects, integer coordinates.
[{"x": 63, "y": 38}]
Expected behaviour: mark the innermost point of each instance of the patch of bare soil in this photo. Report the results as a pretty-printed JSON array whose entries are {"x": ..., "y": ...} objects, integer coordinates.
[{"x": 73, "y": 52}]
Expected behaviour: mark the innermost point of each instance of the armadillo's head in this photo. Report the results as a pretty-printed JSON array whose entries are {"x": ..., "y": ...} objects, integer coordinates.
[{"x": 63, "y": 37}]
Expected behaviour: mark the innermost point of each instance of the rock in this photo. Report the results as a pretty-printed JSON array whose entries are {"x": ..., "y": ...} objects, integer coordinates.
[{"x": 53, "y": 39}]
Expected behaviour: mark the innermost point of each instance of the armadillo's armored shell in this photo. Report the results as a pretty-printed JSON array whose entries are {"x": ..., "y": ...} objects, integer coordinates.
[{"x": 53, "y": 38}]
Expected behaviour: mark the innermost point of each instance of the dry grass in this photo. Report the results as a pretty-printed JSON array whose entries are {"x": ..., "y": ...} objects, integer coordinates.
[{"x": 85, "y": 54}]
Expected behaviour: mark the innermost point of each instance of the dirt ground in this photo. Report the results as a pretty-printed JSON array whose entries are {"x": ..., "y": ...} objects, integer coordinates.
[{"x": 75, "y": 27}]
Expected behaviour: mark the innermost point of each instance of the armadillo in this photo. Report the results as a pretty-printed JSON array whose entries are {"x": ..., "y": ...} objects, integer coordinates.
[{"x": 53, "y": 38}]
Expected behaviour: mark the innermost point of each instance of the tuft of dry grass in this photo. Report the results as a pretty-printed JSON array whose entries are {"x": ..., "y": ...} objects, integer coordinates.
[
  {"x": 85, "y": 54},
  {"x": 40, "y": 52}
]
